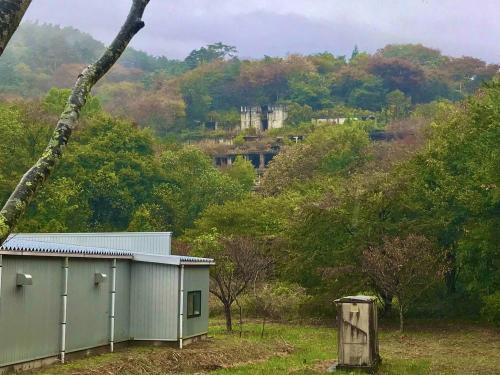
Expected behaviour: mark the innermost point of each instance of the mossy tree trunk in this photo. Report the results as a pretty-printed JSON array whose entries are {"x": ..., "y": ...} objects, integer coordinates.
[
  {"x": 34, "y": 178},
  {"x": 11, "y": 14}
]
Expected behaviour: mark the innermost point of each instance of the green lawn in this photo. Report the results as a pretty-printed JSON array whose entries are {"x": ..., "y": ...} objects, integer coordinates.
[{"x": 426, "y": 348}]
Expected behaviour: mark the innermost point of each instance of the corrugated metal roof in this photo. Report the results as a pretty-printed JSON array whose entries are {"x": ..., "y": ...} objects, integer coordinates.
[
  {"x": 196, "y": 260},
  {"x": 136, "y": 242},
  {"x": 19, "y": 244}
]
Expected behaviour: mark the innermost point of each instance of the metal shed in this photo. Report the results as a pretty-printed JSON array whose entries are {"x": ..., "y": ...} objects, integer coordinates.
[{"x": 67, "y": 293}]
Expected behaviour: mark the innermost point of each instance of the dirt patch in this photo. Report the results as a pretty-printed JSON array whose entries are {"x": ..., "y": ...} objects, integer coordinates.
[{"x": 200, "y": 357}]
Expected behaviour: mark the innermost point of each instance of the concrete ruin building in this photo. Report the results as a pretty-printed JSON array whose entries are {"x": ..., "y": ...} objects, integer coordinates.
[{"x": 263, "y": 117}]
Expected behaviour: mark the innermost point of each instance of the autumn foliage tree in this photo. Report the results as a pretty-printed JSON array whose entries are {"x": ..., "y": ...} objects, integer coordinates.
[
  {"x": 404, "y": 268},
  {"x": 240, "y": 263}
]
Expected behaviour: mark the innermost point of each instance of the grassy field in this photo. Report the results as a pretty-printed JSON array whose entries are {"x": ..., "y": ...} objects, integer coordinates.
[{"x": 426, "y": 348}]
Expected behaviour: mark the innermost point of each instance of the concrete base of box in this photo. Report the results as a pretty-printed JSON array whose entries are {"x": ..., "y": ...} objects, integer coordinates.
[{"x": 367, "y": 369}]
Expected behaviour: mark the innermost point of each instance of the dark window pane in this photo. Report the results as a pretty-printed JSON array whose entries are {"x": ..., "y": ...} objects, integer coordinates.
[{"x": 194, "y": 304}]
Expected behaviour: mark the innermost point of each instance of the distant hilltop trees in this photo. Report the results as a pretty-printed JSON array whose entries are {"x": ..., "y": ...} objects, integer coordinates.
[{"x": 212, "y": 83}]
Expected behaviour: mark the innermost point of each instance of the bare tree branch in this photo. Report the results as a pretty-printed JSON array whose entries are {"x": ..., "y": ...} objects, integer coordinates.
[
  {"x": 239, "y": 262},
  {"x": 11, "y": 14},
  {"x": 404, "y": 268},
  {"x": 34, "y": 178}
]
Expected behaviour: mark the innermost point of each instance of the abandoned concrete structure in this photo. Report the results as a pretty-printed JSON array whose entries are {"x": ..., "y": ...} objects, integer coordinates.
[
  {"x": 263, "y": 118},
  {"x": 259, "y": 159},
  {"x": 339, "y": 120}
]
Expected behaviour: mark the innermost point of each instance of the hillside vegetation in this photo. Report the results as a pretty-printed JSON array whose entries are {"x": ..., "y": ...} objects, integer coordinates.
[
  {"x": 212, "y": 83},
  {"x": 323, "y": 207}
]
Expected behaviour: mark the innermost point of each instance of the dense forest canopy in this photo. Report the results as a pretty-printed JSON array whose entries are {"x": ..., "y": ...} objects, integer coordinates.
[{"x": 320, "y": 205}]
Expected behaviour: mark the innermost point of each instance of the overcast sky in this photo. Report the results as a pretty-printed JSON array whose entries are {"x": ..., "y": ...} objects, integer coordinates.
[{"x": 276, "y": 27}]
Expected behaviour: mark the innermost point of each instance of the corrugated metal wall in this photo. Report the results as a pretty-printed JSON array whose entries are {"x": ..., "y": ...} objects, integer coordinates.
[
  {"x": 151, "y": 243},
  {"x": 196, "y": 278},
  {"x": 88, "y": 304},
  {"x": 147, "y": 304},
  {"x": 30, "y": 315},
  {"x": 154, "y": 301},
  {"x": 122, "y": 306}
]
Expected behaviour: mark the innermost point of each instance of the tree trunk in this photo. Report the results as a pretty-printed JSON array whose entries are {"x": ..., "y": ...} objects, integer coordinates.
[
  {"x": 401, "y": 319},
  {"x": 451, "y": 274},
  {"x": 11, "y": 14},
  {"x": 263, "y": 327},
  {"x": 240, "y": 310},
  {"x": 387, "y": 304},
  {"x": 229, "y": 321},
  {"x": 34, "y": 178}
]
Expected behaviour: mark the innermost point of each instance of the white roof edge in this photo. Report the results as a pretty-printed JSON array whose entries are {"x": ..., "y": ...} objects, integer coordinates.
[
  {"x": 162, "y": 259},
  {"x": 173, "y": 259},
  {"x": 87, "y": 234}
]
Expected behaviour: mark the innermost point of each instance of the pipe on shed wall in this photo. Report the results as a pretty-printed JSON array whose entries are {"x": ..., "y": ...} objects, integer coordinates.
[
  {"x": 181, "y": 306},
  {"x": 113, "y": 304},
  {"x": 64, "y": 308}
]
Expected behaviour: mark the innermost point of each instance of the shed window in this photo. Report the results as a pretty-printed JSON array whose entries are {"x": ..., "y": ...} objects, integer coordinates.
[{"x": 194, "y": 304}]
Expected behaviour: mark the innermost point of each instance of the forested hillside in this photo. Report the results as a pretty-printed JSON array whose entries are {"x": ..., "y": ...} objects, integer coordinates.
[
  {"x": 321, "y": 207},
  {"x": 212, "y": 82}
]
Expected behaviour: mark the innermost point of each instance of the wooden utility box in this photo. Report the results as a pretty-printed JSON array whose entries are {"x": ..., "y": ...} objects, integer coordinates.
[{"x": 357, "y": 336}]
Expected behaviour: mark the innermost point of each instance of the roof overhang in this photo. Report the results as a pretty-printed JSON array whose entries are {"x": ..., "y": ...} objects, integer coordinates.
[
  {"x": 176, "y": 260},
  {"x": 62, "y": 255}
]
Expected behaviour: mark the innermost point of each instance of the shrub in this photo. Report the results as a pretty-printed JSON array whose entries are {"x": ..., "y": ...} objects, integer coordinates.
[
  {"x": 491, "y": 308},
  {"x": 277, "y": 301}
]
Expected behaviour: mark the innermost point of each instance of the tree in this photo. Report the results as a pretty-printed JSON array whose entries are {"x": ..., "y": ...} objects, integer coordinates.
[
  {"x": 329, "y": 149},
  {"x": 416, "y": 53},
  {"x": 310, "y": 89},
  {"x": 370, "y": 95},
  {"x": 355, "y": 52},
  {"x": 398, "y": 74},
  {"x": 404, "y": 268},
  {"x": 11, "y": 14},
  {"x": 398, "y": 105},
  {"x": 189, "y": 184},
  {"x": 212, "y": 52},
  {"x": 280, "y": 301},
  {"x": 35, "y": 177},
  {"x": 239, "y": 263},
  {"x": 25, "y": 130},
  {"x": 55, "y": 101},
  {"x": 243, "y": 172}
]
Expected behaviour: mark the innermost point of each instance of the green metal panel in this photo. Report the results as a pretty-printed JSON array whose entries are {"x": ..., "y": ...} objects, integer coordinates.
[
  {"x": 196, "y": 278},
  {"x": 154, "y": 301},
  {"x": 122, "y": 304},
  {"x": 88, "y": 304},
  {"x": 30, "y": 315}
]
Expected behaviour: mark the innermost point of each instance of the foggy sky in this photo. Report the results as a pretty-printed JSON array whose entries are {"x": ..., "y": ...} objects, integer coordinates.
[{"x": 275, "y": 27}]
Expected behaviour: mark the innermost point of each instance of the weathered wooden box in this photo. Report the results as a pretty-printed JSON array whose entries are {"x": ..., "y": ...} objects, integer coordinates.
[{"x": 357, "y": 333}]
